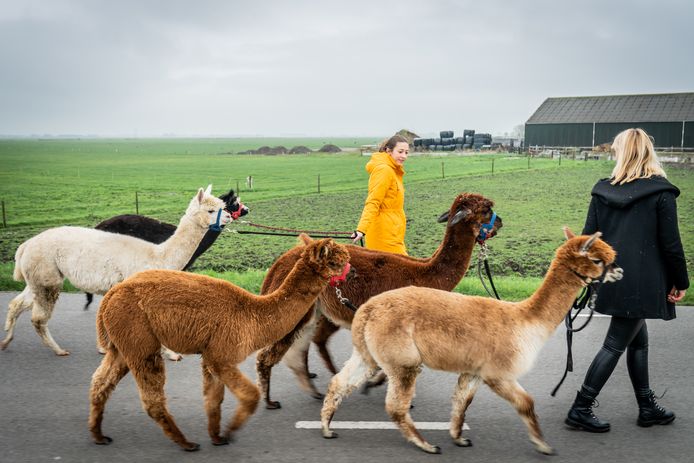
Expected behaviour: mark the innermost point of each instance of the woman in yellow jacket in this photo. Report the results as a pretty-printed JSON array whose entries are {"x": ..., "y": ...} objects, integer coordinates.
[{"x": 382, "y": 221}]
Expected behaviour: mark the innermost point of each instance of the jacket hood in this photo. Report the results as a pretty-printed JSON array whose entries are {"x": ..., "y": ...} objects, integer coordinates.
[
  {"x": 620, "y": 196},
  {"x": 381, "y": 158}
]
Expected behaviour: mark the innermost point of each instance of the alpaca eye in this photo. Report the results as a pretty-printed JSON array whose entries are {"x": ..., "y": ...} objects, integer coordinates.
[
  {"x": 596, "y": 261},
  {"x": 211, "y": 211}
]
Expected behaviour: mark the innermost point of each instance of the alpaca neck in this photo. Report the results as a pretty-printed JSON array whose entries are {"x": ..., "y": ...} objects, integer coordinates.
[
  {"x": 552, "y": 300},
  {"x": 448, "y": 264},
  {"x": 281, "y": 310},
  {"x": 175, "y": 252}
]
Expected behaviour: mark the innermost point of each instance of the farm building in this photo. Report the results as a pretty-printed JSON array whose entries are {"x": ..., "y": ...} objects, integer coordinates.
[{"x": 593, "y": 120}]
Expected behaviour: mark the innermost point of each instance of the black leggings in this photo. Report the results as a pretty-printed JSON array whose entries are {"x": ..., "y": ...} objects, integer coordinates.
[{"x": 630, "y": 334}]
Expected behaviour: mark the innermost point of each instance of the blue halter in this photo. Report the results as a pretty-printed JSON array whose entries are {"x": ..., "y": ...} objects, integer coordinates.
[
  {"x": 486, "y": 229},
  {"x": 216, "y": 226}
]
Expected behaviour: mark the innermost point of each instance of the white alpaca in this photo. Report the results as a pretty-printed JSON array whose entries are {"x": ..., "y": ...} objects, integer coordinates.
[{"x": 94, "y": 261}]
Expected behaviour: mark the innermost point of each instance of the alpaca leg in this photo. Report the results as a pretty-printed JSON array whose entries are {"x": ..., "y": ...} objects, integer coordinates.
[
  {"x": 271, "y": 356},
  {"x": 296, "y": 356},
  {"x": 22, "y": 302},
  {"x": 246, "y": 392},
  {"x": 464, "y": 393},
  {"x": 324, "y": 330},
  {"x": 149, "y": 375},
  {"x": 213, "y": 392},
  {"x": 42, "y": 311},
  {"x": 352, "y": 375},
  {"x": 112, "y": 369},
  {"x": 525, "y": 406},
  {"x": 401, "y": 387}
]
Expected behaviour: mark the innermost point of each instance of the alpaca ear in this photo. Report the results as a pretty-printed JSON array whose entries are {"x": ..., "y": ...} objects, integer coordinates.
[
  {"x": 200, "y": 195},
  {"x": 208, "y": 191},
  {"x": 588, "y": 244},
  {"x": 443, "y": 217},
  {"x": 460, "y": 215},
  {"x": 325, "y": 250},
  {"x": 568, "y": 234}
]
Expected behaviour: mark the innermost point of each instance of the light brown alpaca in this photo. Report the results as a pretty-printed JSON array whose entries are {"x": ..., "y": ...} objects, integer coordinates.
[
  {"x": 195, "y": 314},
  {"x": 377, "y": 272},
  {"x": 482, "y": 339}
]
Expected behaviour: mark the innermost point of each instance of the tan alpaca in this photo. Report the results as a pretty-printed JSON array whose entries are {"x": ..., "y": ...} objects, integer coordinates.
[
  {"x": 196, "y": 314},
  {"x": 482, "y": 339},
  {"x": 95, "y": 260},
  {"x": 376, "y": 272}
]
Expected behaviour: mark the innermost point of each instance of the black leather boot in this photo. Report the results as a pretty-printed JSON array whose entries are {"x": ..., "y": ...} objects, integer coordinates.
[
  {"x": 650, "y": 412},
  {"x": 581, "y": 415}
]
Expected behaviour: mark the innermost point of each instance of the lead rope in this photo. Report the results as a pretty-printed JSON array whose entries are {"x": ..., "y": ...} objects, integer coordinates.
[
  {"x": 482, "y": 260},
  {"x": 587, "y": 298}
]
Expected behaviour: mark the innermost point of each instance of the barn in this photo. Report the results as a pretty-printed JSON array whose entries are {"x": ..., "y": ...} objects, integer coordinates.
[{"x": 589, "y": 121}]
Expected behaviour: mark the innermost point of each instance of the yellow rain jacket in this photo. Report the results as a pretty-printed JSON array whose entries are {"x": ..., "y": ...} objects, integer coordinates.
[{"x": 383, "y": 218}]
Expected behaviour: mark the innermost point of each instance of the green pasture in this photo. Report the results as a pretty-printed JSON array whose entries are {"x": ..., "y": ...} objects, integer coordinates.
[{"x": 45, "y": 183}]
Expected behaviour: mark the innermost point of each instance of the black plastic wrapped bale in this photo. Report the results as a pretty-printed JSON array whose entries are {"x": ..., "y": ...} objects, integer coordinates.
[
  {"x": 417, "y": 142},
  {"x": 459, "y": 146},
  {"x": 469, "y": 139},
  {"x": 459, "y": 140},
  {"x": 437, "y": 141},
  {"x": 448, "y": 141},
  {"x": 446, "y": 134},
  {"x": 467, "y": 145},
  {"x": 468, "y": 132}
]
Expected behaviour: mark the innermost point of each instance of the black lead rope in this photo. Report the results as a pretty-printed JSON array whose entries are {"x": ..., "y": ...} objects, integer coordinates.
[
  {"x": 482, "y": 260},
  {"x": 586, "y": 298}
]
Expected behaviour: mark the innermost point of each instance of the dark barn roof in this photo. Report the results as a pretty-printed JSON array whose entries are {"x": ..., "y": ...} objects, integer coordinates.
[{"x": 665, "y": 107}]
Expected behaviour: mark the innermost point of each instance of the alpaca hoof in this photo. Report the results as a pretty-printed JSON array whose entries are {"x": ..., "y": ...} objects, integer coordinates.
[
  {"x": 317, "y": 395},
  {"x": 62, "y": 353},
  {"x": 191, "y": 447},
  {"x": 462, "y": 442},
  {"x": 3, "y": 345},
  {"x": 272, "y": 405},
  {"x": 433, "y": 449},
  {"x": 312, "y": 375},
  {"x": 219, "y": 440},
  {"x": 175, "y": 357},
  {"x": 328, "y": 434},
  {"x": 544, "y": 449},
  {"x": 103, "y": 440}
]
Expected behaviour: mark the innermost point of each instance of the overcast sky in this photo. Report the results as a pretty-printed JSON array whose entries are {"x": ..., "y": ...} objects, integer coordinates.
[{"x": 318, "y": 68}]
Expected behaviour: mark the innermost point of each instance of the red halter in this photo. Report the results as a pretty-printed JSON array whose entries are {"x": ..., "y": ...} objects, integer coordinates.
[{"x": 337, "y": 279}]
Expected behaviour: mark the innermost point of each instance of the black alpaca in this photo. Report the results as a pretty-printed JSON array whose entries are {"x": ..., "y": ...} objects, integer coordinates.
[{"x": 154, "y": 231}]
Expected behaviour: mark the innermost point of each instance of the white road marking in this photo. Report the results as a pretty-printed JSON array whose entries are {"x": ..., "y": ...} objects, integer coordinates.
[
  {"x": 425, "y": 425},
  {"x": 594, "y": 315}
]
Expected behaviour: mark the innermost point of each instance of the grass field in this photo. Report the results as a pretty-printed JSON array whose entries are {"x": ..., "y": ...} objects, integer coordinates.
[{"x": 45, "y": 183}]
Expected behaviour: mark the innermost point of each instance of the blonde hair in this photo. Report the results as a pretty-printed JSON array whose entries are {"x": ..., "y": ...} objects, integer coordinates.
[{"x": 635, "y": 157}]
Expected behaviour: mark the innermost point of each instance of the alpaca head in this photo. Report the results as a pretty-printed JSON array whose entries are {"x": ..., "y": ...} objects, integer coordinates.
[
  {"x": 474, "y": 210},
  {"x": 589, "y": 257},
  {"x": 325, "y": 256},
  {"x": 234, "y": 205},
  {"x": 204, "y": 209}
]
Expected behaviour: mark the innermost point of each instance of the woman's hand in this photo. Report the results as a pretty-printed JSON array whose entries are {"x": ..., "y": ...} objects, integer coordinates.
[
  {"x": 356, "y": 236},
  {"x": 676, "y": 295}
]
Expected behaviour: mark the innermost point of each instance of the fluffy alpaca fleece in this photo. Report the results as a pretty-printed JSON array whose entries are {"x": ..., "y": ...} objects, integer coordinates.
[
  {"x": 404, "y": 329},
  {"x": 196, "y": 314},
  {"x": 376, "y": 272},
  {"x": 94, "y": 261},
  {"x": 154, "y": 231}
]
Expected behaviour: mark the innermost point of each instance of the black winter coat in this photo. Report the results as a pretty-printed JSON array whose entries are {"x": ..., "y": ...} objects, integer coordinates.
[{"x": 639, "y": 220}]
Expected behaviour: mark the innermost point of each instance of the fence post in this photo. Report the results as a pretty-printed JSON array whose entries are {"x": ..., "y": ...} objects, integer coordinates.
[
  {"x": 318, "y": 183},
  {"x": 237, "y": 187},
  {"x": 492, "y": 166},
  {"x": 4, "y": 221},
  {"x": 137, "y": 204},
  {"x": 528, "y": 160},
  {"x": 560, "y": 159},
  {"x": 443, "y": 173}
]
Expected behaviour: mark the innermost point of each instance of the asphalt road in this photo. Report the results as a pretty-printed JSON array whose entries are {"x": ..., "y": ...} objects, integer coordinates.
[{"x": 44, "y": 407}]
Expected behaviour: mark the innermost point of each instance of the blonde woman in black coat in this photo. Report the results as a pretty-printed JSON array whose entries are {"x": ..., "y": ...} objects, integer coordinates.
[{"x": 636, "y": 212}]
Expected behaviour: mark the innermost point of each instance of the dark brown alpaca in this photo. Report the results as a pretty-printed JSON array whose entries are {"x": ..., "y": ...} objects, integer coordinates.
[
  {"x": 376, "y": 272},
  {"x": 196, "y": 314}
]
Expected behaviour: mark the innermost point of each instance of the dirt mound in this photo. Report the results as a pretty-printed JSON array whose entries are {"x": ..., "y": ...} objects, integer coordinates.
[
  {"x": 300, "y": 150},
  {"x": 330, "y": 149}
]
